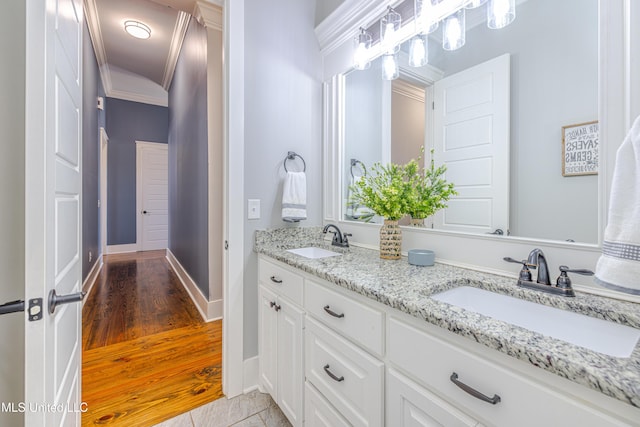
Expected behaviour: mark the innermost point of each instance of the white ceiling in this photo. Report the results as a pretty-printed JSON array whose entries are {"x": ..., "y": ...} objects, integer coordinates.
[{"x": 130, "y": 68}]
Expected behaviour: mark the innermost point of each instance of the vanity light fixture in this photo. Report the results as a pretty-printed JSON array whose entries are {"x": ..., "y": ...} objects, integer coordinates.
[
  {"x": 137, "y": 29},
  {"x": 500, "y": 13},
  {"x": 389, "y": 27},
  {"x": 418, "y": 50},
  {"x": 390, "y": 68},
  {"x": 453, "y": 30},
  {"x": 362, "y": 41}
]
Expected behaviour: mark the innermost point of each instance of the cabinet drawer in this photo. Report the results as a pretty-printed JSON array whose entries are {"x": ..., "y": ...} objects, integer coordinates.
[
  {"x": 523, "y": 402},
  {"x": 281, "y": 280},
  {"x": 349, "y": 378},
  {"x": 351, "y": 318},
  {"x": 408, "y": 404},
  {"x": 318, "y": 412}
]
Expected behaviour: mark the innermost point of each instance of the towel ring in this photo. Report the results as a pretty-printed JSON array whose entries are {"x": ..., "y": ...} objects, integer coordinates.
[
  {"x": 291, "y": 155},
  {"x": 354, "y": 163}
]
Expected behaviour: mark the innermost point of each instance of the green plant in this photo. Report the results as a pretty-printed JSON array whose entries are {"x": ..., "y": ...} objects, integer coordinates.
[
  {"x": 428, "y": 190},
  {"x": 385, "y": 190}
]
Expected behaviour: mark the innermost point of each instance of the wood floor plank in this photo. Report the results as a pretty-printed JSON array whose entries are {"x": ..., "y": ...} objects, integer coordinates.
[{"x": 147, "y": 354}]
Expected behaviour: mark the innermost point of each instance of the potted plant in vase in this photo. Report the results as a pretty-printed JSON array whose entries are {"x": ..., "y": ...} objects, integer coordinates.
[
  {"x": 385, "y": 190},
  {"x": 428, "y": 190}
]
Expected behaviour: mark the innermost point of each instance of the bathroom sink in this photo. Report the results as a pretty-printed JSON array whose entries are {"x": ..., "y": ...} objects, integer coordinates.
[
  {"x": 313, "y": 252},
  {"x": 605, "y": 337}
]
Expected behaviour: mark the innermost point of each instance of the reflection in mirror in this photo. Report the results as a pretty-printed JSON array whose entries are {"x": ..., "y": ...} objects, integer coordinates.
[{"x": 553, "y": 50}]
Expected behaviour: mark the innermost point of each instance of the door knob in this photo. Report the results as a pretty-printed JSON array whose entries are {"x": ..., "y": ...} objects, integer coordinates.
[{"x": 56, "y": 300}]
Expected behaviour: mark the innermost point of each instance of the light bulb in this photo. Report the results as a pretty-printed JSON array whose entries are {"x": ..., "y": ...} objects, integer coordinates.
[
  {"x": 500, "y": 13},
  {"x": 389, "y": 26},
  {"x": 361, "y": 52},
  {"x": 360, "y": 57},
  {"x": 424, "y": 16},
  {"x": 418, "y": 51},
  {"x": 390, "y": 70},
  {"x": 453, "y": 31}
]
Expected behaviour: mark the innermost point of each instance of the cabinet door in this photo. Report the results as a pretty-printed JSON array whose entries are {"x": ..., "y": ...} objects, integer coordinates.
[
  {"x": 290, "y": 356},
  {"x": 318, "y": 412},
  {"x": 268, "y": 341},
  {"x": 409, "y": 405}
]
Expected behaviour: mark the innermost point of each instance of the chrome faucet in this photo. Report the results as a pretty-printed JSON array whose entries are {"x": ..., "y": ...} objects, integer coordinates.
[
  {"x": 339, "y": 238},
  {"x": 537, "y": 260}
]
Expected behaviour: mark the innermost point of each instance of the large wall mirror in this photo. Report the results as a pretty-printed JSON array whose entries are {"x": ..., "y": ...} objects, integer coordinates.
[{"x": 551, "y": 52}]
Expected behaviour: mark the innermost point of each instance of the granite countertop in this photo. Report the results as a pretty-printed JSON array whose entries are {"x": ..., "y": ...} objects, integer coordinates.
[{"x": 408, "y": 288}]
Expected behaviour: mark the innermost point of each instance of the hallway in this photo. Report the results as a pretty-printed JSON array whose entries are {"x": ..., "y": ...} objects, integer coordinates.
[{"x": 147, "y": 354}]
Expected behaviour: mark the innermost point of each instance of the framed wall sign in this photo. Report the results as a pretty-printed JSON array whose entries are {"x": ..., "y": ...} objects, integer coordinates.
[{"x": 580, "y": 149}]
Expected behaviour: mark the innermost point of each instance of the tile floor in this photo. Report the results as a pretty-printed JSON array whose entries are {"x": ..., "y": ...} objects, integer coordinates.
[{"x": 253, "y": 409}]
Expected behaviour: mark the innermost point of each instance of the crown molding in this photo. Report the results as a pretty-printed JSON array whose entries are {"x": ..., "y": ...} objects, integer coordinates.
[
  {"x": 209, "y": 14},
  {"x": 138, "y": 97},
  {"x": 179, "y": 32},
  {"x": 408, "y": 90},
  {"x": 95, "y": 33},
  {"x": 343, "y": 22}
]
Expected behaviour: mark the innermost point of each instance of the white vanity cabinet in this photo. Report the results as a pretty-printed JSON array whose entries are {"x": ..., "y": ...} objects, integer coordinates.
[
  {"x": 351, "y": 361},
  {"x": 281, "y": 328}
]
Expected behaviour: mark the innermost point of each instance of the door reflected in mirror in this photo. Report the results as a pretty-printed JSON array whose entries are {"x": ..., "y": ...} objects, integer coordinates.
[{"x": 552, "y": 82}]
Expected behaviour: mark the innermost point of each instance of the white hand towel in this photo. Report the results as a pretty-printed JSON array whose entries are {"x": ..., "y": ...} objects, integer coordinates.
[
  {"x": 294, "y": 197},
  {"x": 619, "y": 266}
]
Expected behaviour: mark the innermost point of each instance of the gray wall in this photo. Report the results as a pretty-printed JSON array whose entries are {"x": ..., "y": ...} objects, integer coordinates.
[
  {"x": 126, "y": 123},
  {"x": 554, "y": 83},
  {"x": 92, "y": 119},
  {"x": 283, "y": 111},
  {"x": 188, "y": 162},
  {"x": 12, "y": 136}
]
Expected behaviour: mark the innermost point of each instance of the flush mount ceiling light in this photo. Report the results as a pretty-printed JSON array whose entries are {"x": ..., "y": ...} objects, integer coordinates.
[{"x": 137, "y": 29}]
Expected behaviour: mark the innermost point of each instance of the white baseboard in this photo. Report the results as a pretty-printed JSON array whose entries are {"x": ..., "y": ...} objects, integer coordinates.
[
  {"x": 122, "y": 249},
  {"x": 88, "y": 283},
  {"x": 209, "y": 310},
  {"x": 250, "y": 374}
]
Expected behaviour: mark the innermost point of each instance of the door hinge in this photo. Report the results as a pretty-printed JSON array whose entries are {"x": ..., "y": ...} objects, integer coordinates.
[
  {"x": 226, "y": 245},
  {"x": 433, "y": 105}
]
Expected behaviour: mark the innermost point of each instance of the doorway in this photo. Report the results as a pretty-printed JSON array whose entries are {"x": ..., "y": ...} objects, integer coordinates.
[
  {"x": 147, "y": 354},
  {"x": 152, "y": 196}
]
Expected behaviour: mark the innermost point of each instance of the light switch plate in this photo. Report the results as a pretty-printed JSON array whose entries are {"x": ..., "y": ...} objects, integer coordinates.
[{"x": 253, "y": 209}]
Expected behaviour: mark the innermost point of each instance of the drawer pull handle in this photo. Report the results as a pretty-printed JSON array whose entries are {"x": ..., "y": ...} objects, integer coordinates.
[
  {"x": 332, "y": 375},
  {"x": 274, "y": 279},
  {"x": 333, "y": 313},
  {"x": 472, "y": 391}
]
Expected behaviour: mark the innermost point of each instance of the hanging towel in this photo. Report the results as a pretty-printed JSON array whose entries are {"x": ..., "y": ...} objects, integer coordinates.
[
  {"x": 294, "y": 197},
  {"x": 619, "y": 265}
]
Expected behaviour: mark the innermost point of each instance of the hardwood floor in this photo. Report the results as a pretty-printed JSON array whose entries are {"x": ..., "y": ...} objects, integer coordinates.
[{"x": 147, "y": 354}]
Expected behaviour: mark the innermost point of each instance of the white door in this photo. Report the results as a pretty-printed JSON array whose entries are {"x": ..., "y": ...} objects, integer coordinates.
[
  {"x": 471, "y": 136},
  {"x": 53, "y": 211},
  {"x": 152, "y": 186}
]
